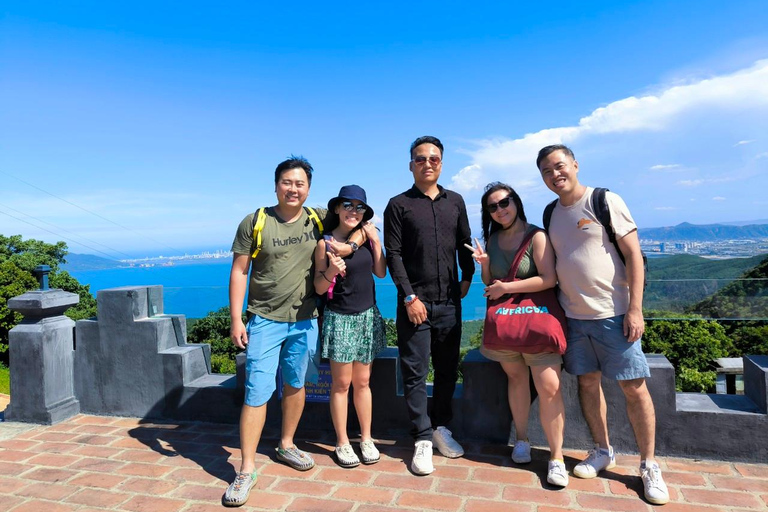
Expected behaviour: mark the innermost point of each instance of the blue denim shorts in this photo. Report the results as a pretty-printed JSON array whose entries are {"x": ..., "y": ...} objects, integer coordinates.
[
  {"x": 600, "y": 345},
  {"x": 293, "y": 345}
]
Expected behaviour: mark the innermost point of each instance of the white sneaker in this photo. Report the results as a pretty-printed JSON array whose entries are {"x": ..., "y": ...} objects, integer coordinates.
[
  {"x": 346, "y": 456},
  {"x": 557, "y": 474},
  {"x": 597, "y": 460},
  {"x": 521, "y": 453},
  {"x": 370, "y": 452},
  {"x": 655, "y": 489},
  {"x": 422, "y": 458},
  {"x": 446, "y": 444}
]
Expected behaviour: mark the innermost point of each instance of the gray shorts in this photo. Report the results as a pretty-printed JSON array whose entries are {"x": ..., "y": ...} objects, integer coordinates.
[{"x": 600, "y": 345}]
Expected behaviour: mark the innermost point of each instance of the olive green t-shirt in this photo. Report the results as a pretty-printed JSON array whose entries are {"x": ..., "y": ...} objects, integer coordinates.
[
  {"x": 281, "y": 281},
  {"x": 501, "y": 260}
]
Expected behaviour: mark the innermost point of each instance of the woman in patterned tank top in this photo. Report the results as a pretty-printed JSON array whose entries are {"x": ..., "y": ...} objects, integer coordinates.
[{"x": 504, "y": 228}]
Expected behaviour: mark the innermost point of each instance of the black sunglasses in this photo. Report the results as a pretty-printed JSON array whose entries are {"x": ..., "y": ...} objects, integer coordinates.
[
  {"x": 348, "y": 206},
  {"x": 492, "y": 207}
]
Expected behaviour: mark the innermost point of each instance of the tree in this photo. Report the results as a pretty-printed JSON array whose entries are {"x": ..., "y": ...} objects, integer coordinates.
[
  {"x": 750, "y": 340},
  {"x": 691, "y": 345},
  {"x": 18, "y": 259},
  {"x": 13, "y": 282},
  {"x": 746, "y": 297}
]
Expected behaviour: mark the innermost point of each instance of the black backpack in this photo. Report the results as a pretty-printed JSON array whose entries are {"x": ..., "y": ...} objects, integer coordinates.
[{"x": 600, "y": 207}]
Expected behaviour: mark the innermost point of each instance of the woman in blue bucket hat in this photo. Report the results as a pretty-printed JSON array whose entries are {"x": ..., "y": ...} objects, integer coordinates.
[{"x": 353, "y": 330}]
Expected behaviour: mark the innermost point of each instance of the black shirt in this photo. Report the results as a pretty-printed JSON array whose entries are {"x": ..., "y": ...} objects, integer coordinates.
[
  {"x": 422, "y": 237},
  {"x": 355, "y": 291}
]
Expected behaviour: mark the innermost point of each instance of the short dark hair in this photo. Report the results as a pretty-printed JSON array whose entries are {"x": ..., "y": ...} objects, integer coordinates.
[
  {"x": 427, "y": 139},
  {"x": 490, "y": 226},
  {"x": 546, "y": 151},
  {"x": 294, "y": 162}
]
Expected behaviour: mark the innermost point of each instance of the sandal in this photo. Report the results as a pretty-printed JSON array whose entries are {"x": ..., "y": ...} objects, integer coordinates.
[{"x": 297, "y": 459}]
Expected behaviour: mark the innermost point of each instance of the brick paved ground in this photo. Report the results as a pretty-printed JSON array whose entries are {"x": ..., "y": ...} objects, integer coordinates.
[{"x": 92, "y": 463}]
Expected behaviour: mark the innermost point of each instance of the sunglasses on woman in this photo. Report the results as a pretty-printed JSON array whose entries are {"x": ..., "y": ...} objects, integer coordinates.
[
  {"x": 492, "y": 207},
  {"x": 348, "y": 206}
]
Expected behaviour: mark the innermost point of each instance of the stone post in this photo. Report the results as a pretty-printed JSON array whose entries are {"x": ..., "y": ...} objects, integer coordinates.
[{"x": 41, "y": 355}]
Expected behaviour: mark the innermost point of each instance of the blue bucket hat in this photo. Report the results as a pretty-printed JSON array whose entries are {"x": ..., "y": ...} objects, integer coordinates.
[{"x": 349, "y": 192}]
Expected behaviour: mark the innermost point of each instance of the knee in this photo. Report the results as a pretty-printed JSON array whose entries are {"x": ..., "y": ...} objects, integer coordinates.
[
  {"x": 361, "y": 383},
  {"x": 340, "y": 386},
  {"x": 548, "y": 390},
  {"x": 634, "y": 390},
  {"x": 589, "y": 382}
]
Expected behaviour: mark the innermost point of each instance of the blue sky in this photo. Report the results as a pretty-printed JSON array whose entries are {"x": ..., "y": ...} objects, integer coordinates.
[{"x": 166, "y": 121}]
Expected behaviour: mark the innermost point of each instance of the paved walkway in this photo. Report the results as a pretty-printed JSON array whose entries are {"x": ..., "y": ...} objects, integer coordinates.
[{"x": 92, "y": 463}]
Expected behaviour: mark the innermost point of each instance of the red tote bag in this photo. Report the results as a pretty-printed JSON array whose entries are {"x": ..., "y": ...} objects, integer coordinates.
[{"x": 530, "y": 323}]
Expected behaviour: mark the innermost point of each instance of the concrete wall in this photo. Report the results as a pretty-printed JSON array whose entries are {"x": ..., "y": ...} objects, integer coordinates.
[{"x": 133, "y": 360}]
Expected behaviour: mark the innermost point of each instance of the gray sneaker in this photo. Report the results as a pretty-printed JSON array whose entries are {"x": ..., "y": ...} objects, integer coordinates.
[
  {"x": 443, "y": 440},
  {"x": 297, "y": 459},
  {"x": 238, "y": 491},
  {"x": 521, "y": 453}
]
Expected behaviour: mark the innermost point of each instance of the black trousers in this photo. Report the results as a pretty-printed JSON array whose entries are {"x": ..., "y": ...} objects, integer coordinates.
[{"x": 440, "y": 337}]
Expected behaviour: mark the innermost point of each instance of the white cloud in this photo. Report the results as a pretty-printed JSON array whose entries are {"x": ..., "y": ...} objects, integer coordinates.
[
  {"x": 742, "y": 142},
  {"x": 708, "y": 181},
  {"x": 666, "y": 167},
  {"x": 666, "y": 208},
  {"x": 718, "y": 198},
  {"x": 623, "y": 138}
]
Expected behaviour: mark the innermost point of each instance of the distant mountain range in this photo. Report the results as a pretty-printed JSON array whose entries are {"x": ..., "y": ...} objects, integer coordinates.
[
  {"x": 705, "y": 233},
  {"x": 79, "y": 262}
]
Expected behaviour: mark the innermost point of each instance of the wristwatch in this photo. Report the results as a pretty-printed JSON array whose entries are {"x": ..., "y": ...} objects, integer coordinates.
[
  {"x": 410, "y": 298},
  {"x": 353, "y": 245}
]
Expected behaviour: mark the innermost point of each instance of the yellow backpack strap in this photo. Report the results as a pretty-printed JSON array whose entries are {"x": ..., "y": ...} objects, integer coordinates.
[
  {"x": 258, "y": 227},
  {"x": 313, "y": 215}
]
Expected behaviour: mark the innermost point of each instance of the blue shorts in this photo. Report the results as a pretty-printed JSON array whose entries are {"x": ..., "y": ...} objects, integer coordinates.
[
  {"x": 291, "y": 344},
  {"x": 600, "y": 345}
]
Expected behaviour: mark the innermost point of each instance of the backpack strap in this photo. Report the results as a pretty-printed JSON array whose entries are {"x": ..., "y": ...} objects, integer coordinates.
[
  {"x": 259, "y": 219},
  {"x": 313, "y": 215},
  {"x": 603, "y": 214},
  {"x": 600, "y": 207},
  {"x": 547, "y": 217}
]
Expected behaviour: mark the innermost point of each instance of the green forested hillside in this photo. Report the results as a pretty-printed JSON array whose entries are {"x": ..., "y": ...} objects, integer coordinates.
[
  {"x": 746, "y": 297},
  {"x": 688, "y": 266},
  {"x": 676, "y": 283}
]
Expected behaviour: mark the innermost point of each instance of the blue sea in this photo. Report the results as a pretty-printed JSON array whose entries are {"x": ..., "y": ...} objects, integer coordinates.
[{"x": 195, "y": 289}]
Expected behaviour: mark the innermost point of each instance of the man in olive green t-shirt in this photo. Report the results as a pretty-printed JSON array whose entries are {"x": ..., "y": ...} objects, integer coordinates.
[{"x": 282, "y": 324}]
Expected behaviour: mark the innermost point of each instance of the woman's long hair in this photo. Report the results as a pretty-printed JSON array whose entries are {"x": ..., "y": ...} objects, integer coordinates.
[{"x": 490, "y": 226}]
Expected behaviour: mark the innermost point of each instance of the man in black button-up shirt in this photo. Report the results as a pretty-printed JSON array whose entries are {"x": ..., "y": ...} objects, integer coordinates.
[{"x": 424, "y": 230}]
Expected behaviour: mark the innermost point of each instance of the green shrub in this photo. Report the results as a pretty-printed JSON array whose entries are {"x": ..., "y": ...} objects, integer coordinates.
[
  {"x": 221, "y": 363},
  {"x": 5, "y": 379},
  {"x": 695, "y": 381},
  {"x": 750, "y": 340}
]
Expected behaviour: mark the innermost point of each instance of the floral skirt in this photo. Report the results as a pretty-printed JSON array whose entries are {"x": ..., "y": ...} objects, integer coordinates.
[{"x": 356, "y": 337}]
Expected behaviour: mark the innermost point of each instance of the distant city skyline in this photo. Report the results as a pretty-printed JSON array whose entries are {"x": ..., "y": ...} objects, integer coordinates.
[{"x": 134, "y": 130}]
